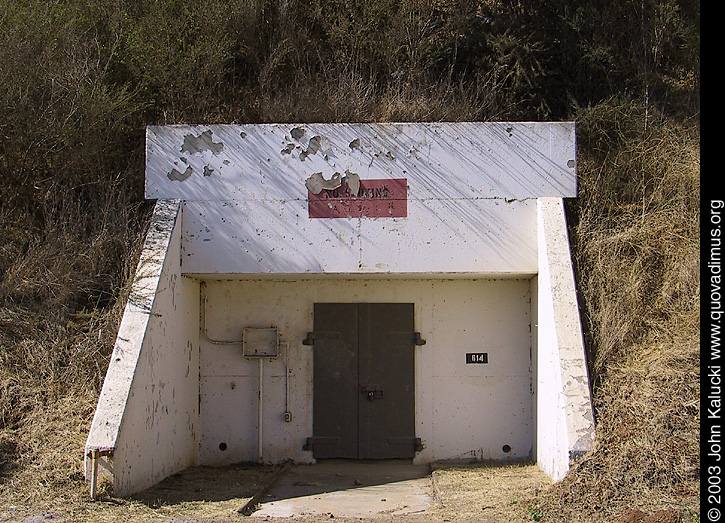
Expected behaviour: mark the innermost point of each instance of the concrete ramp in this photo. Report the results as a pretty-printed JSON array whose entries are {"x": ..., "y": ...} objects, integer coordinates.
[{"x": 349, "y": 489}]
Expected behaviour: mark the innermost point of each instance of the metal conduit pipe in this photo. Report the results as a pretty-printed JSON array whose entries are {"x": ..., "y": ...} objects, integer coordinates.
[
  {"x": 95, "y": 455},
  {"x": 260, "y": 421},
  {"x": 287, "y": 372},
  {"x": 202, "y": 314},
  {"x": 260, "y": 413}
]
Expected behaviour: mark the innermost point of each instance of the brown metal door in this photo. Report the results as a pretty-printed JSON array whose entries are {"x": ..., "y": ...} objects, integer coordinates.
[
  {"x": 364, "y": 394},
  {"x": 335, "y": 389}
]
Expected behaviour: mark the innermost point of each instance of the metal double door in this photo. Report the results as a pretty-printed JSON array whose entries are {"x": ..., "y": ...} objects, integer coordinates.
[{"x": 364, "y": 381}]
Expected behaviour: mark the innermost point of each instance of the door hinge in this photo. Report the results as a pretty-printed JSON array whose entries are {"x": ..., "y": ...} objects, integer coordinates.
[
  {"x": 417, "y": 339},
  {"x": 312, "y": 336},
  {"x": 414, "y": 442}
]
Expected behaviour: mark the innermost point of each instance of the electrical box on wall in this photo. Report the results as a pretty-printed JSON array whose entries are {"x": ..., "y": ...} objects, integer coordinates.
[{"x": 260, "y": 343}]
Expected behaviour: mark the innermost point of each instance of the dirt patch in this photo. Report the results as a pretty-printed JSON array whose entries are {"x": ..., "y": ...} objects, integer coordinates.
[
  {"x": 480, "y": 492},
  {"x": 637, "y": 516},
  {"x": 488, "y": 492}
]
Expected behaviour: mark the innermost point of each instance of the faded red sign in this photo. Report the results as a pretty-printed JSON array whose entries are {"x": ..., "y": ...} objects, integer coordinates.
[{"x": 375, "y": 199}]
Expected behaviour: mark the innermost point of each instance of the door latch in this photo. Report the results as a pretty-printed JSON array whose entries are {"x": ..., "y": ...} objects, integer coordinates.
[{"x": 372, "y": 393}]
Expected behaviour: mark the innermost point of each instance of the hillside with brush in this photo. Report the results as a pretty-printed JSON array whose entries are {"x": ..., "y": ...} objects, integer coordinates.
[{"x": 81, "y": 80}]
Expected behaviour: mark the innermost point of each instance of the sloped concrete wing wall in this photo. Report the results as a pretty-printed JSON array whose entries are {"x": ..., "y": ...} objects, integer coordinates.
[
  {"x": 565, "y": 424},
  {"x": 147, "y": 414}
]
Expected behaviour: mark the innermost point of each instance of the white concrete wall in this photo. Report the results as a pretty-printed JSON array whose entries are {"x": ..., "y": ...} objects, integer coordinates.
[
  {"x": 147, "y": 412},
  {"x": 494, "y": 237},
  {"x": 483, "y": 202},
  {"x": 462, "y": 411},
  {"x": 564, "y": 421}
]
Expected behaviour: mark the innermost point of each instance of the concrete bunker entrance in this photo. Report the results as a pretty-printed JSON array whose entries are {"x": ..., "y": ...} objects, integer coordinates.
[{"x": 464, "y": 222}]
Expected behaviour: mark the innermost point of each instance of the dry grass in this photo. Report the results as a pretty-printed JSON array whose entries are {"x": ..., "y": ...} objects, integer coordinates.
[
  {"x": 489, "y": 492},
  {"x": 61, "y": 302},
  {"x": 196, "y": 494},
  {"x": 350, "y": 97},
  {"x": 637, "y": 253}
]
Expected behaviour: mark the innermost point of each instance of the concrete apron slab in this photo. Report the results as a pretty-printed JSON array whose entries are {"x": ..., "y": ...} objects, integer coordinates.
[{"x": 349, "y": 489}]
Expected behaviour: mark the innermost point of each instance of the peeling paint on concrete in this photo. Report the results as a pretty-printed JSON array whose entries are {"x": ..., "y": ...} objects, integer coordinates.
[
  {"x": 317, "y": 183},
  {"x": 448, "y": 160},
  {"x": 176, "y": 176},
  {"x": 312, "y": 147},
  {"x": 203, "y": 142},
  {"x": 352, "y": 180}
]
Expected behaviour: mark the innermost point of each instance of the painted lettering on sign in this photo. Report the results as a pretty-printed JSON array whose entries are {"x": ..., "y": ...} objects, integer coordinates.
[
  {"x": 476, "y": 357},
  {"x": 374, "y": 199}
]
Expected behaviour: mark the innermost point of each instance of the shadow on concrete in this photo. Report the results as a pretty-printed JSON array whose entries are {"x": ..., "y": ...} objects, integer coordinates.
[
  {"x": 345, "y": 488},
  {"x": 211, "y": 484}
]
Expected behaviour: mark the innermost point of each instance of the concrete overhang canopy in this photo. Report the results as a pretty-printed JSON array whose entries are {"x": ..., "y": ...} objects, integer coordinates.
[
  {"x": 376, "y": 199},
  {"x": 439, "y": 160}
]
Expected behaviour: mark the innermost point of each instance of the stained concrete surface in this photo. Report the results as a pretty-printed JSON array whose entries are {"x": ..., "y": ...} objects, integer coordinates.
[{"x": 349, "y": 489}]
